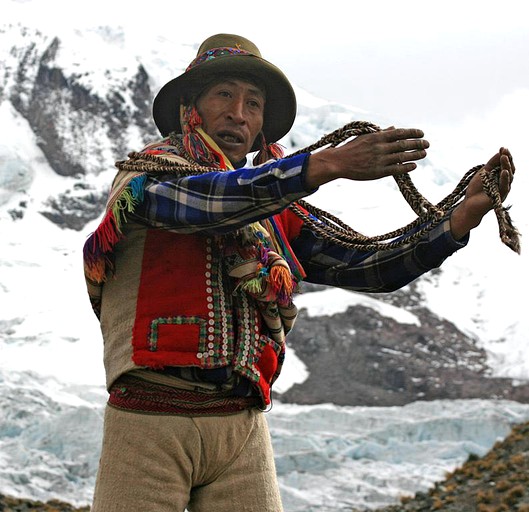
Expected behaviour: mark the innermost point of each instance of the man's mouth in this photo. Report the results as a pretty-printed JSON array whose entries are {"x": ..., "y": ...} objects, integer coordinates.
[{"x": 230, "y": 138}]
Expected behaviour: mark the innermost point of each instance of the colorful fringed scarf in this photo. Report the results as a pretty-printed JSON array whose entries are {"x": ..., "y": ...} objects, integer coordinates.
[{"x": 260, "y": 260}]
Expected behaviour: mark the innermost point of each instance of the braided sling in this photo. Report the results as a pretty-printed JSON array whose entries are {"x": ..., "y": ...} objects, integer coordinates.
[{"x": 333, "y": 229}]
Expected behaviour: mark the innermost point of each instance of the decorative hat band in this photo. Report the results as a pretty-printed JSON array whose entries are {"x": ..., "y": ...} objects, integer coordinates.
[{"x": 216, "y": 52}]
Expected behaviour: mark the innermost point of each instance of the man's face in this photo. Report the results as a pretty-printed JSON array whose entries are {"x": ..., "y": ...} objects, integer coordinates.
[{"x": 232, "y": 115}]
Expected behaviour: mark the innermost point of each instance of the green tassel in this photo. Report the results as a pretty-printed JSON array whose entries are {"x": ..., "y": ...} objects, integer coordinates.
[
  {"x": 125, "y": 203},
  {"x": 254, "y": 286}
]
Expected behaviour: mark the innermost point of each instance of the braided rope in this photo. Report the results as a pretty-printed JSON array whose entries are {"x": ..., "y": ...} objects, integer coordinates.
[
  {"x": 333, "y": 229},
  {"x": 428, "y": 215}
]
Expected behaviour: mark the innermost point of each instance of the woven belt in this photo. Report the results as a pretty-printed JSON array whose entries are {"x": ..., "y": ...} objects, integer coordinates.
[{"x": 134, "y": 394}]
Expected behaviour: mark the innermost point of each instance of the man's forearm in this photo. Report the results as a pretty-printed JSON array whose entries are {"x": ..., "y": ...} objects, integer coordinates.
[{"x": 223, "y": 201}]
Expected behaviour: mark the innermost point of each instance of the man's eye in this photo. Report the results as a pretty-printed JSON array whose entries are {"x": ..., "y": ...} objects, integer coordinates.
[
  {"x": 254, "y": 104},
  {"x": 226, "y": 94}
]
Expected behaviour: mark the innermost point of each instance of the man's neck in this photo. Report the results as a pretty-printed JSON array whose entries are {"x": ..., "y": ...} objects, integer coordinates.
[{"x": 239, "y": 164}]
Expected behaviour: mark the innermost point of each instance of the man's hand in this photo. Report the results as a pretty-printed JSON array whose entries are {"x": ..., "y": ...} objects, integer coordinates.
[
  {"x": 368, "y": 157},
  {"x": 477, "y": 203}
]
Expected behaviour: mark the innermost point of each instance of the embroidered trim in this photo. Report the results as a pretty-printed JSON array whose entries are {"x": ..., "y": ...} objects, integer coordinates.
[
  {"x": 249, "y": 347},
  {"x": 214, "y": 53},
  {"x": 216, "y": 347},
  {"x": 175, "y": 320},
  {"x": 224, "y": 319}
]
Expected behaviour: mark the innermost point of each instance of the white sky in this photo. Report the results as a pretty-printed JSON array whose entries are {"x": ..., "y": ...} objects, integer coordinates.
[{"x": 413, "y": 62}]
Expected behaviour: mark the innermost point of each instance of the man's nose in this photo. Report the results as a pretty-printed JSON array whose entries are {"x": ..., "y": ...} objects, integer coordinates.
[{"x": 236, "y": 111}]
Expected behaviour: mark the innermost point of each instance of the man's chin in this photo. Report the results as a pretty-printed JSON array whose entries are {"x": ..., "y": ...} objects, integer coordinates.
[
  {"x": 234, "y": 152},
  {"x": 234, "y": 157}
]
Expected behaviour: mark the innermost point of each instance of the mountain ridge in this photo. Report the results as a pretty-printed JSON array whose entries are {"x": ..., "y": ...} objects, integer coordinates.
[
  {"x": 64, "y": 126},
  {"x": 72, "y": 113}
]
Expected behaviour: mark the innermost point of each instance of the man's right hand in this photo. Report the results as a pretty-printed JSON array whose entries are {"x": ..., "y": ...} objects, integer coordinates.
[{"x": 372, "y": 156}]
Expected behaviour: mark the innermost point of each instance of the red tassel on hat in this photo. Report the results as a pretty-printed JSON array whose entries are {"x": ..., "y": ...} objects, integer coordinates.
[{"x": 194, "y": 119}]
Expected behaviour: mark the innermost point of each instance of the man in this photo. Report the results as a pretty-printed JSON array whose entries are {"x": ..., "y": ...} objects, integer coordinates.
[{"x": 192, "y": 273}]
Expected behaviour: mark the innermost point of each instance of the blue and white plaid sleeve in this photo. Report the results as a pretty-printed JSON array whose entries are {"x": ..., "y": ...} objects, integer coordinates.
[
  {"x": 374, "y": 271},
  {"x": 223, "y": 201}
]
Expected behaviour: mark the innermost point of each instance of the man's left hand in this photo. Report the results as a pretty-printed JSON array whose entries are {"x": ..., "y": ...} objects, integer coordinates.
[{"x": 477, "y": 203}]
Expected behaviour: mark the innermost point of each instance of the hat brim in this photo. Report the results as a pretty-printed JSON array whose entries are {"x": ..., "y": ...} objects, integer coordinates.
[{"x": 280, "y": 107}]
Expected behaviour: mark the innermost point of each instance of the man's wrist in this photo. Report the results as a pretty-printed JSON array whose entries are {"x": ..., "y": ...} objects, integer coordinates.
[
  {"x": 462, "y": 221},
  {"x": 321, "y": 169}
]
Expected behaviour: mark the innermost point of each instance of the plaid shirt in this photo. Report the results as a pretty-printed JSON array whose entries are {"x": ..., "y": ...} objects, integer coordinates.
[{"x": 219, "y": 202}]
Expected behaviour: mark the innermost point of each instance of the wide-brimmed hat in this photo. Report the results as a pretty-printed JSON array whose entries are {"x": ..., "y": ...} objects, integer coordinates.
[{"x": 228, "y": 55}]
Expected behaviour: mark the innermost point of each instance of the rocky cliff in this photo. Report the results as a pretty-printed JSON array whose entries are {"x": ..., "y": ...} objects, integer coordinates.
[
  {"x": 80, "y": 128},
  {"x": 360, "y": 357}
]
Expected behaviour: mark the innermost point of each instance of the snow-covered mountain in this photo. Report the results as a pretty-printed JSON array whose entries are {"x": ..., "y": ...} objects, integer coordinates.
[{"x": 71, "y": 103}]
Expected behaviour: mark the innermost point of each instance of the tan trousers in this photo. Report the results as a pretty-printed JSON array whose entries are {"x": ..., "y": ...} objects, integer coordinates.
[{"x": 162, "y": 463}]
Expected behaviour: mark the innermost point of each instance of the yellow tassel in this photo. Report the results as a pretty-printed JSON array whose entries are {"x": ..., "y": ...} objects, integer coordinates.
[{"x": 258, "y": 228}]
